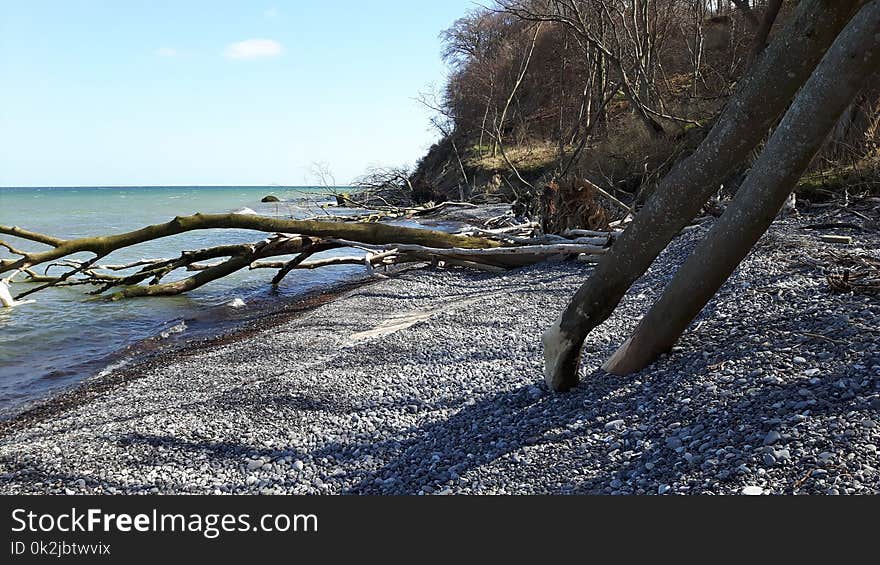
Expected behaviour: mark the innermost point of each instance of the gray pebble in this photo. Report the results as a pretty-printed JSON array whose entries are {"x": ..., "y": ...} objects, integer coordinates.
[{"x": 772, "y": 437}]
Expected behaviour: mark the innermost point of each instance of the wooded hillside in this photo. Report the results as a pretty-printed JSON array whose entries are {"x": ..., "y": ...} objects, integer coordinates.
[{"x": 614, "y": 91}]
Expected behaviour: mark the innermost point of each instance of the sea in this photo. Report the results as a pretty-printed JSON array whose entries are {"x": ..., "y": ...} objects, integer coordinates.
[{"x": 67, "y": 335}]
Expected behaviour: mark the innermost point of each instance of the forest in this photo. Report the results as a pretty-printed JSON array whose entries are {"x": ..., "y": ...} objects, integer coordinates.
[{"x": 617, "y": 92}]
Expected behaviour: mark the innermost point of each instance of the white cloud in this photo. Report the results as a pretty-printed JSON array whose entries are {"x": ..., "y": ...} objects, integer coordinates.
[
  {"x": 166, "y": 52},
  {"x": 253, "y": 48}
]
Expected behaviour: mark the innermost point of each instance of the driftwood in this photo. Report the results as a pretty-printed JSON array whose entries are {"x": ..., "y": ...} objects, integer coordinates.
[
  {"x": 838, "y": 239},
  {"x": 291, "y": 246},
  {"x": 505, "y": 257},
  {"x": 854, "y": 272}
]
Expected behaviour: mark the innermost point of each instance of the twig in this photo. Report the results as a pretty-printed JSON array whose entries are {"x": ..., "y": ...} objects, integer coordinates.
[{"x": 609, "y": 196}]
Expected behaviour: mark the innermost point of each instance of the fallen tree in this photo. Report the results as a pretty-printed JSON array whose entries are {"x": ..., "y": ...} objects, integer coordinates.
[{"x": 382, "y": 244}]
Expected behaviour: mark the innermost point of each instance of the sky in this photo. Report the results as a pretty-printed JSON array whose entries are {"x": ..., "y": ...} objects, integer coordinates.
[{"x": 214, "y": 92}]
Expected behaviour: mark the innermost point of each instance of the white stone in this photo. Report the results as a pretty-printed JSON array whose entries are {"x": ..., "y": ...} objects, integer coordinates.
[
  {"x": 245, "y": 212},
  {"x": 614, "y": 425}
]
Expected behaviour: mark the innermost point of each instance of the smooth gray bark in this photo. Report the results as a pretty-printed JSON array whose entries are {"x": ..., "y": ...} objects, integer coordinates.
[
  {"x": 841, "y": 76},
  {"x": 763, "y": 31},
  {"x": 763, "y": 95}
]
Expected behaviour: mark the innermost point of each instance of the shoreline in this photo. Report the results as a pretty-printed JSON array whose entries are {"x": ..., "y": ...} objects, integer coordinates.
[
  {"x": 48, "y": 348},
  {"x": 94, "y": 385},
  {"x": 158, "y": 344},
  {"x": 429, "y": 382}
]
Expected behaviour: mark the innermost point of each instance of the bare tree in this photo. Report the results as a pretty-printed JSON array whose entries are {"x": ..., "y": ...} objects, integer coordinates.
[
  {"x": 695, "y": 39},
  {"x": 844, "y": 72},
  {"x": 498, "y": 133},
  {"x": 575, "y": 15},
  {"x": 445, "y": 122},
  {"x": 321, "y": 171},
  {"x": 746, "y": 10},
  {"x": 384, "y": 187},
  {"x": 763, "y": 31},
  {"x": 761, "y": 98}
]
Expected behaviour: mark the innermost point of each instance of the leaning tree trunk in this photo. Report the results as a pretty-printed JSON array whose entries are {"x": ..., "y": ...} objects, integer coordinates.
[
  {"x": 771, "y": 12},
  {"x": 762, "y": 97},
  {"x": 843, "y": 73}
]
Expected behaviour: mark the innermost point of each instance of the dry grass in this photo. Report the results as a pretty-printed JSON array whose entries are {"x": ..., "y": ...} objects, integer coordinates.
[
  {"x": 860, "y": 179},
  {"x": 530, "y": 158}
]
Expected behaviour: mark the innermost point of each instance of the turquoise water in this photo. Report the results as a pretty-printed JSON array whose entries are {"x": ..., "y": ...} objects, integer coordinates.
[{"x": 66, "y": 335}]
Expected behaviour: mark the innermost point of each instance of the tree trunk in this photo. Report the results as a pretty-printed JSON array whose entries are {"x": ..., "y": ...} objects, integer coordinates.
[
  {"x": 356, "y": 231},
  {"x": 763, "y": 95},
  {"x": 763, "y": 31},
  {"x": 385, "y": 245},
  {"x": 843, "y": 73},
  {"x": 653, "y": 127},
  {"x": 747, "y": 11}
]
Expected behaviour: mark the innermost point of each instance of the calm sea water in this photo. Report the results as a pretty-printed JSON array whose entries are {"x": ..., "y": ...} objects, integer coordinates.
[{"x": 51, "y": 345}]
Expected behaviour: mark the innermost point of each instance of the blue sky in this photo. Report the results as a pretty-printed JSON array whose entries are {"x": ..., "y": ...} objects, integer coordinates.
[{"x": 183, "y": 92}]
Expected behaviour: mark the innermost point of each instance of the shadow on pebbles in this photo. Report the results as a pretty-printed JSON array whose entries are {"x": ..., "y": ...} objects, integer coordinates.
[{"x": 430, "y": 383}]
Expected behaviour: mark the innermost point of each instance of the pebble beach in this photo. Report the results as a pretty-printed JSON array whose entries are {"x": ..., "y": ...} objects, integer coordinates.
[{"x": 430, "y": 382}]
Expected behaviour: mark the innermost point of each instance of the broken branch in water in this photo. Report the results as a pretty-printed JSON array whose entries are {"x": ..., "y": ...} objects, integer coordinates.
[{"x": 297, "y": 240}]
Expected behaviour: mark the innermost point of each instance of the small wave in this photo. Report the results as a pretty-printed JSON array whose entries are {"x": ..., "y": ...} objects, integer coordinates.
[
  {"x": 111, "y": 368},
  {"x": 58, "y": 375},
  {"x": 174, "y": 330}
]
